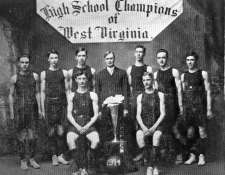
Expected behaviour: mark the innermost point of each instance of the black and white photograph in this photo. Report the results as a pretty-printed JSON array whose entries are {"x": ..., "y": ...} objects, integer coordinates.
[{"x": 112, "y": 87}]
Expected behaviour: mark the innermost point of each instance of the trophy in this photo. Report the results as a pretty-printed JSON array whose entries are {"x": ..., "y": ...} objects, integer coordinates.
[
  {"x": 113, "y": 104},
  {"x": 114, "y": 114}
]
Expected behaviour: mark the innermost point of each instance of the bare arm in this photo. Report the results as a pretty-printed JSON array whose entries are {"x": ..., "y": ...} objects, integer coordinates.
[
  {"x": 162, "y": 110},
  {"x": 69, "y": 112},
  {"x": 93, "y": 79},
  {"x": 94, "y": 98},
  {"x": 208, "y": 92},
  {"x": 11, "y": 92},
  {"x": 66, "y": 80},
  {"x": 37, "y": 92},
  {"x": 139, "y": 110},
  {"x": 43, "y": 76},
  {"x": 176, "y": 75},
  {"x": 155, "y": 81},
  {"x": 129, "y": 77},
  {"x": 69, "y": 76}
]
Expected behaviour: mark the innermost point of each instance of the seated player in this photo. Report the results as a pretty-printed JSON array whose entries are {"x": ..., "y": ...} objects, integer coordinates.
[
  {"x": 150, "y": 114},
  {"x": 82, "y": 114}
]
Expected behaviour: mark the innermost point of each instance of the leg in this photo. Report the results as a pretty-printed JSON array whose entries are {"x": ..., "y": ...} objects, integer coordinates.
[
  {"x": 140, "y": 138},
  {"x": 61, "y": 145},
  {"x": 201, "y": 145},
  {"x": 93, "y": 137},
  {"x": 32, "y": 138},
  {"x": 155, "y": 151}
]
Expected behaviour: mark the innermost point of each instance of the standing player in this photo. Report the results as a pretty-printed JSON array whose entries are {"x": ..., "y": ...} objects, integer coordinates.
[
  {"x": 150, "y": 115},
  {"x": 197, "y": 105},
  {"x": 135, "y": 73},
  {"x": 168, "y": 82},
  {"x": 53, "y": 95},
  {"x": 24, "y": 101},
  {"x": 82, "y": 114},
  {"x": 81, "y": 58}
]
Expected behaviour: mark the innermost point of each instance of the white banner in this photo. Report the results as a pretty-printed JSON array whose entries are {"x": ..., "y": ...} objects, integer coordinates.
[{"x": 94, "y": 21}]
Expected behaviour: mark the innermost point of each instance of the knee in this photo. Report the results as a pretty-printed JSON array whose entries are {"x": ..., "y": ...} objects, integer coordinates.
[
  {"x": 71, "y": 138},
  {"x": 190, "y": 132},
  {"x": 60, "y": 130},
  {"x": 156, "y": 138},
  {"x": 94, "y": 140},
  {"x": 140, "y": 138},
  {"x": 202, "y": 132}
]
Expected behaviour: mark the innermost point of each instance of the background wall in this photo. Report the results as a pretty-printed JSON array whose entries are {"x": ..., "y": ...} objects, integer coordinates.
[{"x": 199, "y": 28}]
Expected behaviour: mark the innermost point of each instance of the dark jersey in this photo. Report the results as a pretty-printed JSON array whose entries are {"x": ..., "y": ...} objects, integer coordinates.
[
  {"x": 167, "y": 85},
  {"x": 150, "y": 108},
  {"x": 194, "y": 94},
  {"x": 136, "y": 77},
  {"x": 25, "y": 102},
  {"x": 86, "y": 69},
  {"x": 55, "y": 83},
  {"x": 82, "y": 108}
]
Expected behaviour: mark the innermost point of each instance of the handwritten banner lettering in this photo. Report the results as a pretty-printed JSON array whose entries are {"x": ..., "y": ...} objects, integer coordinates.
[{"x": 94, "y": 21}]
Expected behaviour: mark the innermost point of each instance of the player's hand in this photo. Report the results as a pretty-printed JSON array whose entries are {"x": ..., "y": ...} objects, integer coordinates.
[
  {"x": 145, "y": 131},
  {"x": 181, "y": 110},
  {"x": 152, "y": 130},
  {"x": 209, "y": 114},
  {"x": 125, "y": 112},
  {"x": 83, "y": 130},
  {"x": 100, "y": 115}
]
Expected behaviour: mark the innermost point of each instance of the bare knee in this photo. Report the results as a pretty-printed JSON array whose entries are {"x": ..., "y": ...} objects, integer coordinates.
[
  {"x": 60, "y": 130},
  {"x": 94, "y": 139},
  {"x": 190, "y": 132},
  {"x": 156, "y": 138},
  {"x": 140, "y": 138},
  {"x": 202, "y": 132},
  {"x": 71, "y": 138}
]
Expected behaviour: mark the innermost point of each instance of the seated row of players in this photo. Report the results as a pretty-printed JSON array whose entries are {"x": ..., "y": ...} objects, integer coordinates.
[{"x": 156, "y": 111}]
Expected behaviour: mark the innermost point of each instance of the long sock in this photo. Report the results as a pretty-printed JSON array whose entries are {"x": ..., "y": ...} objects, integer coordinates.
[{"x": 155, "y": 156}]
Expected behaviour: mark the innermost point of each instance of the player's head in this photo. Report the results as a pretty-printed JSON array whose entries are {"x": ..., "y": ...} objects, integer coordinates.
[
  {"x": 147, "y": 80},
  {"x": 81, "y": 56},
  {"x": 162, "y": 57},
  {"x": 139, "y": 52},
  {"x": 53, "y": 57},
  {"x": 81, "y": 78},
  {"x": 191, "y": 60},
  {"x": 24, "y": 62}
]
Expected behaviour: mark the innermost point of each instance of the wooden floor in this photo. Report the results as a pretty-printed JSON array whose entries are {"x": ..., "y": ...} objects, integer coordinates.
[{"x": 10, "y": 166}]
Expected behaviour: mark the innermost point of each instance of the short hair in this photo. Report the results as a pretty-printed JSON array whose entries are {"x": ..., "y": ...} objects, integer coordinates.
[
  {"x": 141, "y": 46},
  {"x": 80, "y": 72},
  {"x": 163, "y": 50},
  {"x": 148, "y": 74},
  {"x": 192, "y": 53},
  {"x": 80, "y": 49},
  {"x": 109, "y": 52},
  {"x": 22, "y": 56},
  {"x": 52, "y": 51}
]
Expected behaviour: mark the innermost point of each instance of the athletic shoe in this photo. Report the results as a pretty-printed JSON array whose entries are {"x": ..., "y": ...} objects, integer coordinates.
[
  {"x": 155, "y": 171},
  {"x": 55, "y": 160},
  {"x": 191, "y": 159},
  {"x": 84, "y": 172},
  {"x": 201, "y": 160},
  {"x": 149, "y": 171},
  {"x": 62, "y": 160},
  {"x": 23, "y": 165},
  {"x": 34, "y": 164}
]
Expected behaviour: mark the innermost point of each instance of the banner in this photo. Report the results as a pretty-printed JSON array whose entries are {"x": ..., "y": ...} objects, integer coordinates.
[{"x": 95, "y": 21}]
